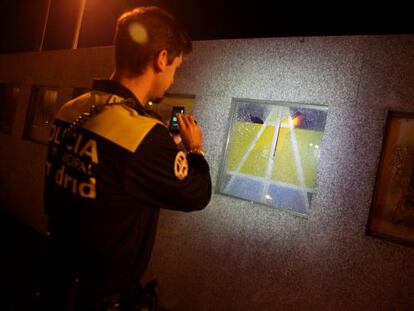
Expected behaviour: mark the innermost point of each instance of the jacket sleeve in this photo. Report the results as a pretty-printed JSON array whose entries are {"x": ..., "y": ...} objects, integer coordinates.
[{"x": 160, "y": 175}]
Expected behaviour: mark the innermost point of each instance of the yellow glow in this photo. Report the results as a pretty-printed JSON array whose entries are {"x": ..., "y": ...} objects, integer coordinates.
[
  {"x": 297, "y": 120},
  {"x": 138, "y": 33}
]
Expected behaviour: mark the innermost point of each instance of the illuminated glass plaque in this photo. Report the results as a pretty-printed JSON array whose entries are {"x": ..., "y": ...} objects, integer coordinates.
[
  {"x": 42, "y": 108},
  {"x": 272, "y": 153},
  {"x": 164, "y": 108}
]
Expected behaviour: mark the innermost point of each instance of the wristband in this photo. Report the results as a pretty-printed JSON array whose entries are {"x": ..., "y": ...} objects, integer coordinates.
[{"x": 198, "y": 151}]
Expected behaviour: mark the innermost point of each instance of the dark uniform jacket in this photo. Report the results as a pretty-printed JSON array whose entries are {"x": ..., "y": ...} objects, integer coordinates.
[{"x": 106, "y": 182}]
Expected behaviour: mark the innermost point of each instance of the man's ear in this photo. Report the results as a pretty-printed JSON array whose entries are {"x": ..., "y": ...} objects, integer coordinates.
[{"x": 160, "y": 61}]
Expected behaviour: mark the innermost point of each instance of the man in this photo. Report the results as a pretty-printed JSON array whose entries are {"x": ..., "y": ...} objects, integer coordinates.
[{"x": 111, "y": 166}]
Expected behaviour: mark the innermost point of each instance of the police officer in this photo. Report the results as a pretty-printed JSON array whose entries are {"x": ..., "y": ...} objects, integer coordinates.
[{"x": 112, "y": 165}]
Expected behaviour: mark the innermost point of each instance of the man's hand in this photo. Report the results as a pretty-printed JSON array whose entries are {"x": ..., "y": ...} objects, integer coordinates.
[
  {"x": 190, "y": 132},
  {"x": 175, "y": 136}
]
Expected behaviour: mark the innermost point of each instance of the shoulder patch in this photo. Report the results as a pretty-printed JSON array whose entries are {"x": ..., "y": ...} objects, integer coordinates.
[{"x": 181, "y": 165}]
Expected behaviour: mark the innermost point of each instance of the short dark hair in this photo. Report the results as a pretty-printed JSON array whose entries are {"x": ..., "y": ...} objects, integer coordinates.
[{"x": 143, "y": 32}]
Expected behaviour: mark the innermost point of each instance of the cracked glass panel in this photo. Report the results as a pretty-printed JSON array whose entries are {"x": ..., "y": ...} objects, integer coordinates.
[{"x": 272, "y": 153}]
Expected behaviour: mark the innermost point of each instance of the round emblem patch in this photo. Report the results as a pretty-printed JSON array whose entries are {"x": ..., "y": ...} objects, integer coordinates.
[{"x": 180, "y": 165}]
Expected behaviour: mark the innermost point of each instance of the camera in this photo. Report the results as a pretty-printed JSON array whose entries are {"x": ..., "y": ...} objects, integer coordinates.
[{"x": 173, "y": 120}]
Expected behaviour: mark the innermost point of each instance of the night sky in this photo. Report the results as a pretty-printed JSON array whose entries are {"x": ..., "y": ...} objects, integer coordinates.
[{"x": 22, "y": 22}]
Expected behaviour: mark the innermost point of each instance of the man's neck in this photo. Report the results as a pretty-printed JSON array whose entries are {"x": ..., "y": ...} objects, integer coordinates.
[{"x": 140, "y": 86}]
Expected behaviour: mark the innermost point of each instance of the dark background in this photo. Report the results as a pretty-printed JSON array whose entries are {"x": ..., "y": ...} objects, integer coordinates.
[{"x": 22, "y": 20}]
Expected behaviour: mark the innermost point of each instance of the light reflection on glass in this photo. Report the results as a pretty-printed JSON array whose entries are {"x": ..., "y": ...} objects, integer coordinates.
[{"x": 272, "y": 153}]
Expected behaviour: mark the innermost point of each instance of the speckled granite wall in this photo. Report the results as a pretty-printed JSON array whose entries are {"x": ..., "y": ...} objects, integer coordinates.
[{"x": 236, "y": 255}]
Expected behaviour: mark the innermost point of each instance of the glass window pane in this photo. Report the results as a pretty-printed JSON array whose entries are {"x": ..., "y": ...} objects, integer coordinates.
[
  {"x": 272, "y": 153},
  {"x": 41, "y": 111},
  {"x": 8, "y": 102},
  {"x": 164, "y": 108}
]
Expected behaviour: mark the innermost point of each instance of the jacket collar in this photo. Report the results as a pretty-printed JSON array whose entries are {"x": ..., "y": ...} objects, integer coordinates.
[{"x": 116, "y": 88}]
